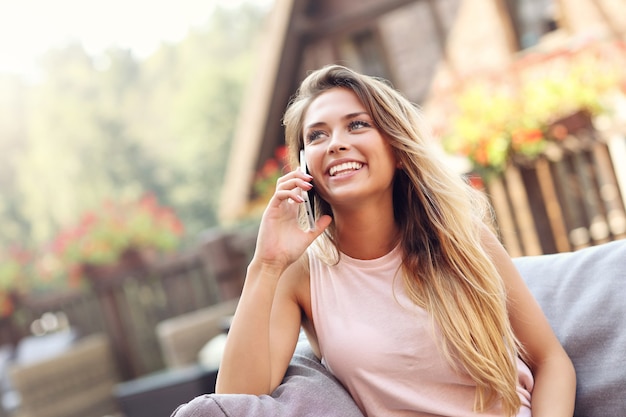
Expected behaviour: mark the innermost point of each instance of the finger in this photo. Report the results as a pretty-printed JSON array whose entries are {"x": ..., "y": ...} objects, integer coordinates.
[
  {"x": 291, "y": 194},
  {"x": 294, "y": 183},
  {"x": 293, "y": 175},
  {"x": 320, "y": 225}
]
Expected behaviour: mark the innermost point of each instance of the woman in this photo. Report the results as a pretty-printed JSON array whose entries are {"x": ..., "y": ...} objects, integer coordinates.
[{"x": 404, "y": 293}]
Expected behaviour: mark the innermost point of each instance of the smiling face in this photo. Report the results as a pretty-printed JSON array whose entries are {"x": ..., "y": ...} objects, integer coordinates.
[{"x": 348, "y": 157}]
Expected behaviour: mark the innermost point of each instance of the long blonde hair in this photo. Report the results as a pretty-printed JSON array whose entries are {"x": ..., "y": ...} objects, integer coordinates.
[{"x": 441, "y": 217}]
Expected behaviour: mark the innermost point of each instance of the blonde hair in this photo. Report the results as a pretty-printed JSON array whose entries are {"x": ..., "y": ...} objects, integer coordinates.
[{"x": 441, "y": 217}]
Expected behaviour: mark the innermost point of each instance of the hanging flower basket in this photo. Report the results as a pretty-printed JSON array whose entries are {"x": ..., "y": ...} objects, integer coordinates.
[
  {"x": 519, "y": 115},
  {"x": 570, "y": 124},
  {"x": 131, "y": 260},
  {"x": 117, "y": 239},
  {"x": 15, "y": 270}
]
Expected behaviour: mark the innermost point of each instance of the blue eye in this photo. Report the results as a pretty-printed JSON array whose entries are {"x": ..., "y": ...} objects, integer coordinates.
[
  {"x": 358, "y": 124},
  {"x": 314, "y": 135}
]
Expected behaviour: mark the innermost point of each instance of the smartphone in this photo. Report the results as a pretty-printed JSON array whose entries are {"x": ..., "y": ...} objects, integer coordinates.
[{"x": 305, "y": 195}]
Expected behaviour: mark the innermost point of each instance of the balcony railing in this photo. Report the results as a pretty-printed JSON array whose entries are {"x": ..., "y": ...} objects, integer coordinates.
[{"x": 127, "y": 306}]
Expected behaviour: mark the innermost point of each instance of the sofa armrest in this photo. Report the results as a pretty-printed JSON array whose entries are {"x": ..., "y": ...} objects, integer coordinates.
[{"x": 308, "y": 390}]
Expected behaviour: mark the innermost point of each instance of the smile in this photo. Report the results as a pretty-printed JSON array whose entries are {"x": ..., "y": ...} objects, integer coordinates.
[{"x": 344, "y": 168}]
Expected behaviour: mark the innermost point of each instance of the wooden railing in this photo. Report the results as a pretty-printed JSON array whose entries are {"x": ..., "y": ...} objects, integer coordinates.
[
  {"x": 567, "y": 199},
  {"x": 128, "y": 305}
]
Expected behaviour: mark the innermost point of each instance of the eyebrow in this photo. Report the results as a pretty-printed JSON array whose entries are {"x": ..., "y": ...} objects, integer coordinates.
[{"x": 346, "y": 117}]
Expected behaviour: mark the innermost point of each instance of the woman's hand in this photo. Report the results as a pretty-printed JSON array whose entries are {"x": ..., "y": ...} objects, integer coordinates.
[
  {"x": 265, "y": 327},
  {"x": 281, "y": 240}
]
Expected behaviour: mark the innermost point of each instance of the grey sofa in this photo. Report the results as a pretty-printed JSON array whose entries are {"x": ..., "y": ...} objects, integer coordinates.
[{"x": 582, "y": 293}]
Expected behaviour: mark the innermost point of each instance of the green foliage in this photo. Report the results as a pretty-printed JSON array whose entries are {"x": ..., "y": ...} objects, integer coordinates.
[{"x": 115, "y": 127}]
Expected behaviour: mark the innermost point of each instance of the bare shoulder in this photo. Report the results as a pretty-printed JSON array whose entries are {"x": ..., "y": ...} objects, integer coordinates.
[
  {"x": 498, "y": 254},
  {"x": 517, "y": 292}
]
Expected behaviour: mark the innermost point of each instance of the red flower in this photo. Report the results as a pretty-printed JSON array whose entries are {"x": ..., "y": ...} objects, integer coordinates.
[
  {"x": 265, "y": 179},
  {"x": 523, "y": 137}
]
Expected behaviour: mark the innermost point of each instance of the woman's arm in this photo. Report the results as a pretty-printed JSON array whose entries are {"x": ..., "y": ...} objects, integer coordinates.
[
  {"x": 555, "y": 379},
  {"x": 265, "y": 327},
  {"x": 262, "y": 335}
]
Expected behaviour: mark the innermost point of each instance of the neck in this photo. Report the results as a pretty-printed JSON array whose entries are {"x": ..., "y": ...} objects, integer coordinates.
[{"x": 366, "y": 233}]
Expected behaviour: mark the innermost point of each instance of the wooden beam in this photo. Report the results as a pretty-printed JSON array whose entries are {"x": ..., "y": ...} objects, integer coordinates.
[
  {"x": 314, "y": 27},
  {"x": 442, "y": 39},
  {"x": 504, "y": 15},
  {"x": 253, "y": 118}
]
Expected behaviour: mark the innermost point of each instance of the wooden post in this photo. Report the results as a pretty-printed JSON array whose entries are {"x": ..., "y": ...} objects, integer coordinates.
[
  {"x": 609, "y": 191},
  {"x": 107, "y": 281},
  {"x": 225, "y": 262},
  {"x": 617, "y": 152},
  {"x": 521, "y": 209},
  {"x": 598, "y": 226},
  {"x": 578, "y": 233},
  {"x": 504, "y": 217},
  {"x": 116, "y": 331},
  {"x": 553, "y": 208}
]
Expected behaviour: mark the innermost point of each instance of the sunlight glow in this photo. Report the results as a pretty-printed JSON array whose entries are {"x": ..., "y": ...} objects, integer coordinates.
[{"x": 28, "y": 28}]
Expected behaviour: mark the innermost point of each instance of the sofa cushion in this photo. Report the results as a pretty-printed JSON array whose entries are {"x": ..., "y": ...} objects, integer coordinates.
[
  {"x": 308, "y": 390},
  {"x": 582, "y": 293}
]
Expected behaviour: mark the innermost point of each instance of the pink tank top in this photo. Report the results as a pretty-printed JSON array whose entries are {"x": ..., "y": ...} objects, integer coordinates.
[{"x": 381, "y": 346}]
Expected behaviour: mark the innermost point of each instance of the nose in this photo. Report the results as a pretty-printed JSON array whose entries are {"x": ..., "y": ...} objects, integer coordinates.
[{"x": 337, "y": 143}]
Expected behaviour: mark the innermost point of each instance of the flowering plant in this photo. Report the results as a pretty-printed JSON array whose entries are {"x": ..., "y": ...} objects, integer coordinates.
[
  {"x": 14, "y": 276},
  {"x": 265, "y": 179},
  {"x": 496, "y": 119},
  {"x": 102, "y": 236}
]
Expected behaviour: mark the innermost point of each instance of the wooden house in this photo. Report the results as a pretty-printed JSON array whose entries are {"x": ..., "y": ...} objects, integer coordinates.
[{"x": 425, "y": 48}]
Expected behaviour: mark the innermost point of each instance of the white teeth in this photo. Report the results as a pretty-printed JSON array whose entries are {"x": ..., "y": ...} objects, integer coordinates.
[{"x": 345, "y": 167}]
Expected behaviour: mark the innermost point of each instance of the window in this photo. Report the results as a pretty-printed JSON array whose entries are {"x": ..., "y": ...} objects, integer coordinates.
[
  {"x": 364, "y": 52},
  {"x": 532, "y": 19}
]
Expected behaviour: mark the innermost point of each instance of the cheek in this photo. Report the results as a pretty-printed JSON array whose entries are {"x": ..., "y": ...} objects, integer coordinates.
[
  {"x": 314, "y": 162},
  {"x": 386, "y": 154}
]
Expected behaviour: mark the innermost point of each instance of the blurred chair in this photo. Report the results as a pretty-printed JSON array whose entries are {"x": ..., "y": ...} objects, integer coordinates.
[
  {"x": 76, "y": 383},
  {"x": 183, "y": 337}
]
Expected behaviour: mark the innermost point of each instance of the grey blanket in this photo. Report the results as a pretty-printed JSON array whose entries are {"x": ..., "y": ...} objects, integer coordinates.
[{"x": 308, "y": 390}]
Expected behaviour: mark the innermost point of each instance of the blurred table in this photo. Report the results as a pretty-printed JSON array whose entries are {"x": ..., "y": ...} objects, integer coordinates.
[{"x": 36, "y": 348}]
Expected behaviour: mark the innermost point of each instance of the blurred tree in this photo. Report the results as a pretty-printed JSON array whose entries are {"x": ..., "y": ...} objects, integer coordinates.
[
  {"x": 13, "y": 97},
  {"x": 113, "y": 126},
  {"x": 201, "y": 83}
]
